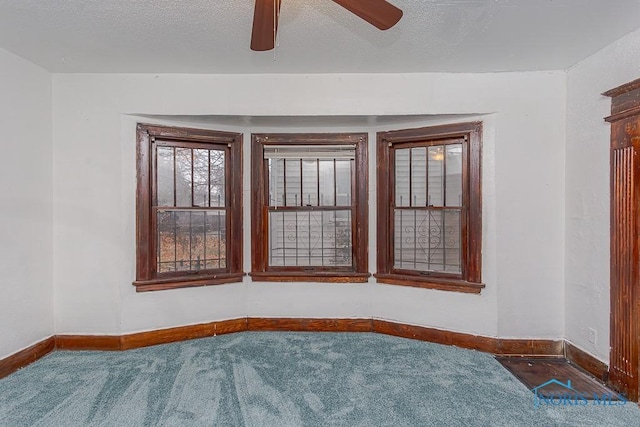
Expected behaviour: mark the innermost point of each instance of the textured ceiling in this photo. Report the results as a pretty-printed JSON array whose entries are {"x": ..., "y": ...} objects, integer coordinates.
[{"x": 315, "y": 36}]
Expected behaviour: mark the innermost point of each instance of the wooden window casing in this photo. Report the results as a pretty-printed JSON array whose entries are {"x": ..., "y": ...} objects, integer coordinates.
[
  {"x": 262, "y": 207},
  {"x": 226, "y": 265},
  {"x": 467, "y": 278}
]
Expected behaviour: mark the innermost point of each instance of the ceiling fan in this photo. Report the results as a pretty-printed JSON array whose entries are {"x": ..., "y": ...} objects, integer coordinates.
[{"x": 379, "y": 13}]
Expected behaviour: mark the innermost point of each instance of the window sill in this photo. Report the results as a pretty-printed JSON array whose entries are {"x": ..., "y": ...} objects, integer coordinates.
[
  {"x": 294, "y": 276},
  {"x": 186, "y": 282},
  {"x": 452, "y": 285}
]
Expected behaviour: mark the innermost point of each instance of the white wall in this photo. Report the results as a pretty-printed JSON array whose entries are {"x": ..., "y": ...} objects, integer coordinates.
[
  {"x": 587, "y": 204},
  {"x": 523, "y": 226},
  {"x": 26, "y": 291}
]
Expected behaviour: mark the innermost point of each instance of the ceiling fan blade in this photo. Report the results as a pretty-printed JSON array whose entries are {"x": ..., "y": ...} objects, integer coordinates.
[
  {"x": 380, "y": 13},
  {"x": 265, "y": 24}
]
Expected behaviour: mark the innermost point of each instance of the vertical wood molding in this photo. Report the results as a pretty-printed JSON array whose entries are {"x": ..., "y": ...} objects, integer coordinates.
[
  {"x": 258, "y": 222},
  {"x": 143, "y": 204},
  {"x": 624, "y": 358},
  {"x": 25, "y": 357}
]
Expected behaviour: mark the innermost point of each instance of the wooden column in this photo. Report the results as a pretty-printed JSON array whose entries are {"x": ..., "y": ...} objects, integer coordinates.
[{"x": 625, "y": 247}]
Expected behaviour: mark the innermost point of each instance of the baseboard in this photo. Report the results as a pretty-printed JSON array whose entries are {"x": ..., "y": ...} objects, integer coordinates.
[
  {"x": 497, "y": 346},
  {"x": 149, "y": 338},
  {"x": 530, "y": 348},
  {"x": 309, "y": 325},
  {"x": 438, "y": 336},
  {"x": 203, "y": 330},
  {"x": 25, "y": 357},
  {"x": 88, "y": 342},
  {"x": 584, "y": 360},
  {"x": 510, "y": 347},
  {"x": 182, "y": 333}
]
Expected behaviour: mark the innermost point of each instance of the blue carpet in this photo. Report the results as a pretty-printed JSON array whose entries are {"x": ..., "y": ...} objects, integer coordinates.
[{"x": 284, "y": 379}]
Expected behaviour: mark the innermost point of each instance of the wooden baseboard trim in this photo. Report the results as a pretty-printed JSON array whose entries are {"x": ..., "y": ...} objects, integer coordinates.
[
  {"x": 182, "y": 333},
  {"x": 25, "y": 357},
  {"x": 438, "y": 336},
  {"x": 88, "y": 342},
  {"x": 584, "y": 360},
  {"x": 149, "y": 338},
  {"x": 497, "y": 346},
  {"x": 530, "y": 348},
  {"x": 309, "y": 325}
]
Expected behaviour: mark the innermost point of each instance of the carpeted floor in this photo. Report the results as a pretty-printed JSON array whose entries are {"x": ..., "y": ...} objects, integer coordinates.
[{"x": 285, "y": 379}]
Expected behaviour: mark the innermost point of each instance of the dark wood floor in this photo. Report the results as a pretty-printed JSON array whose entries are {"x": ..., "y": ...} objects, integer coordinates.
[{"x": 534, "y": 372}]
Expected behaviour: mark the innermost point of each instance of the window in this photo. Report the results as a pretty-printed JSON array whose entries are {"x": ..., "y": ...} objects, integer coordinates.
[
  {"x": 309, "y": 207},
  {"x": 429, "y": 207},
  {"x": 189, "y": 208}
]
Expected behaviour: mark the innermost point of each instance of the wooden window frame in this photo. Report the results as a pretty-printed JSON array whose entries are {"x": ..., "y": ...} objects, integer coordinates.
[
  {"x": 469, "y": 280},
  {"x": 260, "y": 270},
  {"x": 147, "y": 278}
]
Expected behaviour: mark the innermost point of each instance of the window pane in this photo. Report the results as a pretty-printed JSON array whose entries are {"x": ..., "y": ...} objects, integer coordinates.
[
  {"x": 310, "y": 238},
  {"x": 183, "y": 241},
  {"x": 427, "y": 240},
  {"x": 452, "y": 239},
  {"x": 343, "y": 182},
  {"x": 341, "y": 237},
  {"x": 293, "y": 183},
  {"x": 403, "y": 170},
  {"x": 454, "y": 175},
  {"x": 191, "y": 240},
  {"x": 197, "y": 240},
  {"x": 327, "y": 182},
  {"x": 201, "y": 178},
  {"x": 166, "y": 242},
  {"x": 436, "y": 174},
  {"x": 215, "y": 238},
  {"x": 183, "y": 177},
  {"x": 217, "y": 177},
  {"x": 164, "y": 171},
  {"x": 418, "y": 176},
  {"x": 309, "y": 182},
  {"x": 276, "y": 182},
  {"x": 201, "y": 171}
]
